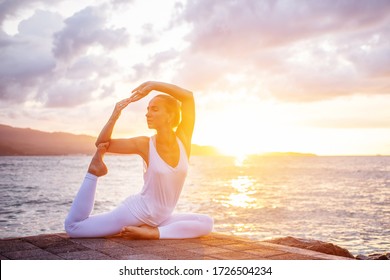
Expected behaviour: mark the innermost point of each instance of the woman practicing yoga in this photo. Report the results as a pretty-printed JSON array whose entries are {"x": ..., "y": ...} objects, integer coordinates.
[{"x": 148, "y": 214}]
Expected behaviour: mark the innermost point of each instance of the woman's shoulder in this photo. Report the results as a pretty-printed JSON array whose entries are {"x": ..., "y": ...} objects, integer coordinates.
[
  {"x": 142, "y": 141},
  {"x": 142, "y": 144}
]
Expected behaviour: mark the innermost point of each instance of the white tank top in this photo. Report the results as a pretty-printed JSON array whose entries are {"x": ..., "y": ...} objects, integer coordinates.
[{"x": 162, "y": 187}]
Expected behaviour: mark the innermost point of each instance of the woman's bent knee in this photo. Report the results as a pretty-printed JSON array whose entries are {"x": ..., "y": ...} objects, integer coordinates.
[
  {"x": 70, "y": 228},
  {"x": 209, "y": 223}
]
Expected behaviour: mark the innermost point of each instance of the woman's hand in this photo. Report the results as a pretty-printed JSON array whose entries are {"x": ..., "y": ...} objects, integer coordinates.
[
  {"x": 138, "y": 93},
  {"x": 119, "y": 107},
  {"x": 141, "y": 91}
]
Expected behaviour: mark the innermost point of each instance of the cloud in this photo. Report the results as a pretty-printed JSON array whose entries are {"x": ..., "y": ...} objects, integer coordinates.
[
  {"x": 31, "y": 71},
  {"x": 120, "y": 3},
  {"x": 372, "y": 53},
  {"x": 156, "y": 64},
  {"x": 91, "y": 66},
  {"x": 148, "y": 34},
  {"x": 200, "y": 71},
  {"x": 85, "y": 29},
  {"x": 302, "y": 52},
  {"x": 5, "y": 40},
  {"x": 255, "y": 24},
  {"x": 69, "y": 93},
  {"x": 296, "y": 53},
  {"x": 26, "y": 57},
  {"x": 42, "y": 24},
  {"x": 352, "y": 112},
  {"x": 10, "y": 8}
]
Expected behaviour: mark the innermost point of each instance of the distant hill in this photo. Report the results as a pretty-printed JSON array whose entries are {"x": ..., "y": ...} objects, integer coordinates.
[
  {"x": 29, "y": 142},
  {"x": 289, "y": 154},
  {"x": 197, "y": 150},
  {"x": 25, "y": 141}
]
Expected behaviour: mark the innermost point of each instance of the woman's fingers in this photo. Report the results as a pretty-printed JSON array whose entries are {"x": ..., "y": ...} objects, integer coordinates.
[
  {"x": 123, "y": 103},
  {"x": 141, "y": 91},
  {"x": 138, "y": 94},
  {"x": 119, "y": 106},
  {"x": 126, "y": 101}
]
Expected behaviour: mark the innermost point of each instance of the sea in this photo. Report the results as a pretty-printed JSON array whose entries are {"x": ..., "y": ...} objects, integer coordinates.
[{"x": 344, "y": 200}]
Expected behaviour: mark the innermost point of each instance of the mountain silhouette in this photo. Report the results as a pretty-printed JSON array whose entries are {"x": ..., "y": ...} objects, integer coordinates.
[{"x": 29, "y": 142}]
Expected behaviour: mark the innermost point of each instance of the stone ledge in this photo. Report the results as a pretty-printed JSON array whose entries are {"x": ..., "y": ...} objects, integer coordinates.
[{"x": 212, "y": 247}]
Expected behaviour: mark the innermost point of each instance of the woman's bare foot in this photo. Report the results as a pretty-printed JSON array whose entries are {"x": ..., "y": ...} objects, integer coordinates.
[
  {"x": 141, "y": 232},
  {"x": 97, "y": 166}
]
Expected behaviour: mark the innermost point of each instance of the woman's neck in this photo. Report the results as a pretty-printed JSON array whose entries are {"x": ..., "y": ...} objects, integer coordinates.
[{"x": 166, "y": 137}]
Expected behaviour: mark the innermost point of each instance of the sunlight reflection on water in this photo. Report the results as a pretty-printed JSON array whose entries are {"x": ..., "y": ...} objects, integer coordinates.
[
  {"x": 344, "y": 200},
  {"x": 241, "y": 195}
]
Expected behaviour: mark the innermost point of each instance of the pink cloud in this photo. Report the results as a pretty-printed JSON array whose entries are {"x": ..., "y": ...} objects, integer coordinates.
[{"x": 261, "y": 37}]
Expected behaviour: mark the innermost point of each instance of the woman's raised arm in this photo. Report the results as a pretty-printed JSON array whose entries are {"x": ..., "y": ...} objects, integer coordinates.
[
  {"x": 186, "y": 126},
  {"x": 105, "y": 134}
]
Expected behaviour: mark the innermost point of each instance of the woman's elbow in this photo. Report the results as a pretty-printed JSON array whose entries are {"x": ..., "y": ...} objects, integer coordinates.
[{"x": 97, "y": 143}]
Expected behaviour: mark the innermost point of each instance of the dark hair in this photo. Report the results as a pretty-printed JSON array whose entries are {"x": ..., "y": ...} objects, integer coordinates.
[{"x": 172, "y": 105}]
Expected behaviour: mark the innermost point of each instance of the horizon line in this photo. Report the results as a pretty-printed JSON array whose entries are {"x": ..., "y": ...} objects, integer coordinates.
[{"x": 217, "y": 151}]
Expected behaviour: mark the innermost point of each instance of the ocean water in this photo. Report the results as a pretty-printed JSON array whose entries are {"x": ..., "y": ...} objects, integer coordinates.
[{"x": 343, "y": 200}]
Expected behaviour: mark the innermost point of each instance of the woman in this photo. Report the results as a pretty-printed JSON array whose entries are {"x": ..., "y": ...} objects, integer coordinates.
[{"x": 148, "y": 214}]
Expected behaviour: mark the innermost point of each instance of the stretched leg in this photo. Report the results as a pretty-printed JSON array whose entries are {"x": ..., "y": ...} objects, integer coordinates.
[
  {"x": 101, "y": 225},
  {"x": 180, "y": 226},
  {"x": 84, "y": 201},
  {"x": 79, "y": 223}
]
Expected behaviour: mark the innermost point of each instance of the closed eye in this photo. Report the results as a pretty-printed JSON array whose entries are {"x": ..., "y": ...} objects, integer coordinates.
[{"x": 153, "y": 108}]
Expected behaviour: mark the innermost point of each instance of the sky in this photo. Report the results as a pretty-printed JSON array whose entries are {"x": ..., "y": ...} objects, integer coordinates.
[{"x": 267, "y": 76}]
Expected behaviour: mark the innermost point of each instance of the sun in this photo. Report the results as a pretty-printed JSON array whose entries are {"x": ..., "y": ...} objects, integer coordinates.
[
  {"x": 235, "y": 130},
  {"x": 252, "y": 128}
]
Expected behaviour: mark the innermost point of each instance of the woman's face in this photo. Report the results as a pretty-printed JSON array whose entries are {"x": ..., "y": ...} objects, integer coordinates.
[{"x": 157, "y": 115}]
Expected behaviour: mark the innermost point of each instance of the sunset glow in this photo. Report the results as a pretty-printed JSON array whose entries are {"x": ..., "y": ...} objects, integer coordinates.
[{"x": 280, "y": 77}]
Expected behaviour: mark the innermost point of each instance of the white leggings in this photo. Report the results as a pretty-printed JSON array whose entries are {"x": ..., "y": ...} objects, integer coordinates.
[{"x": 79, "y": 222}]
